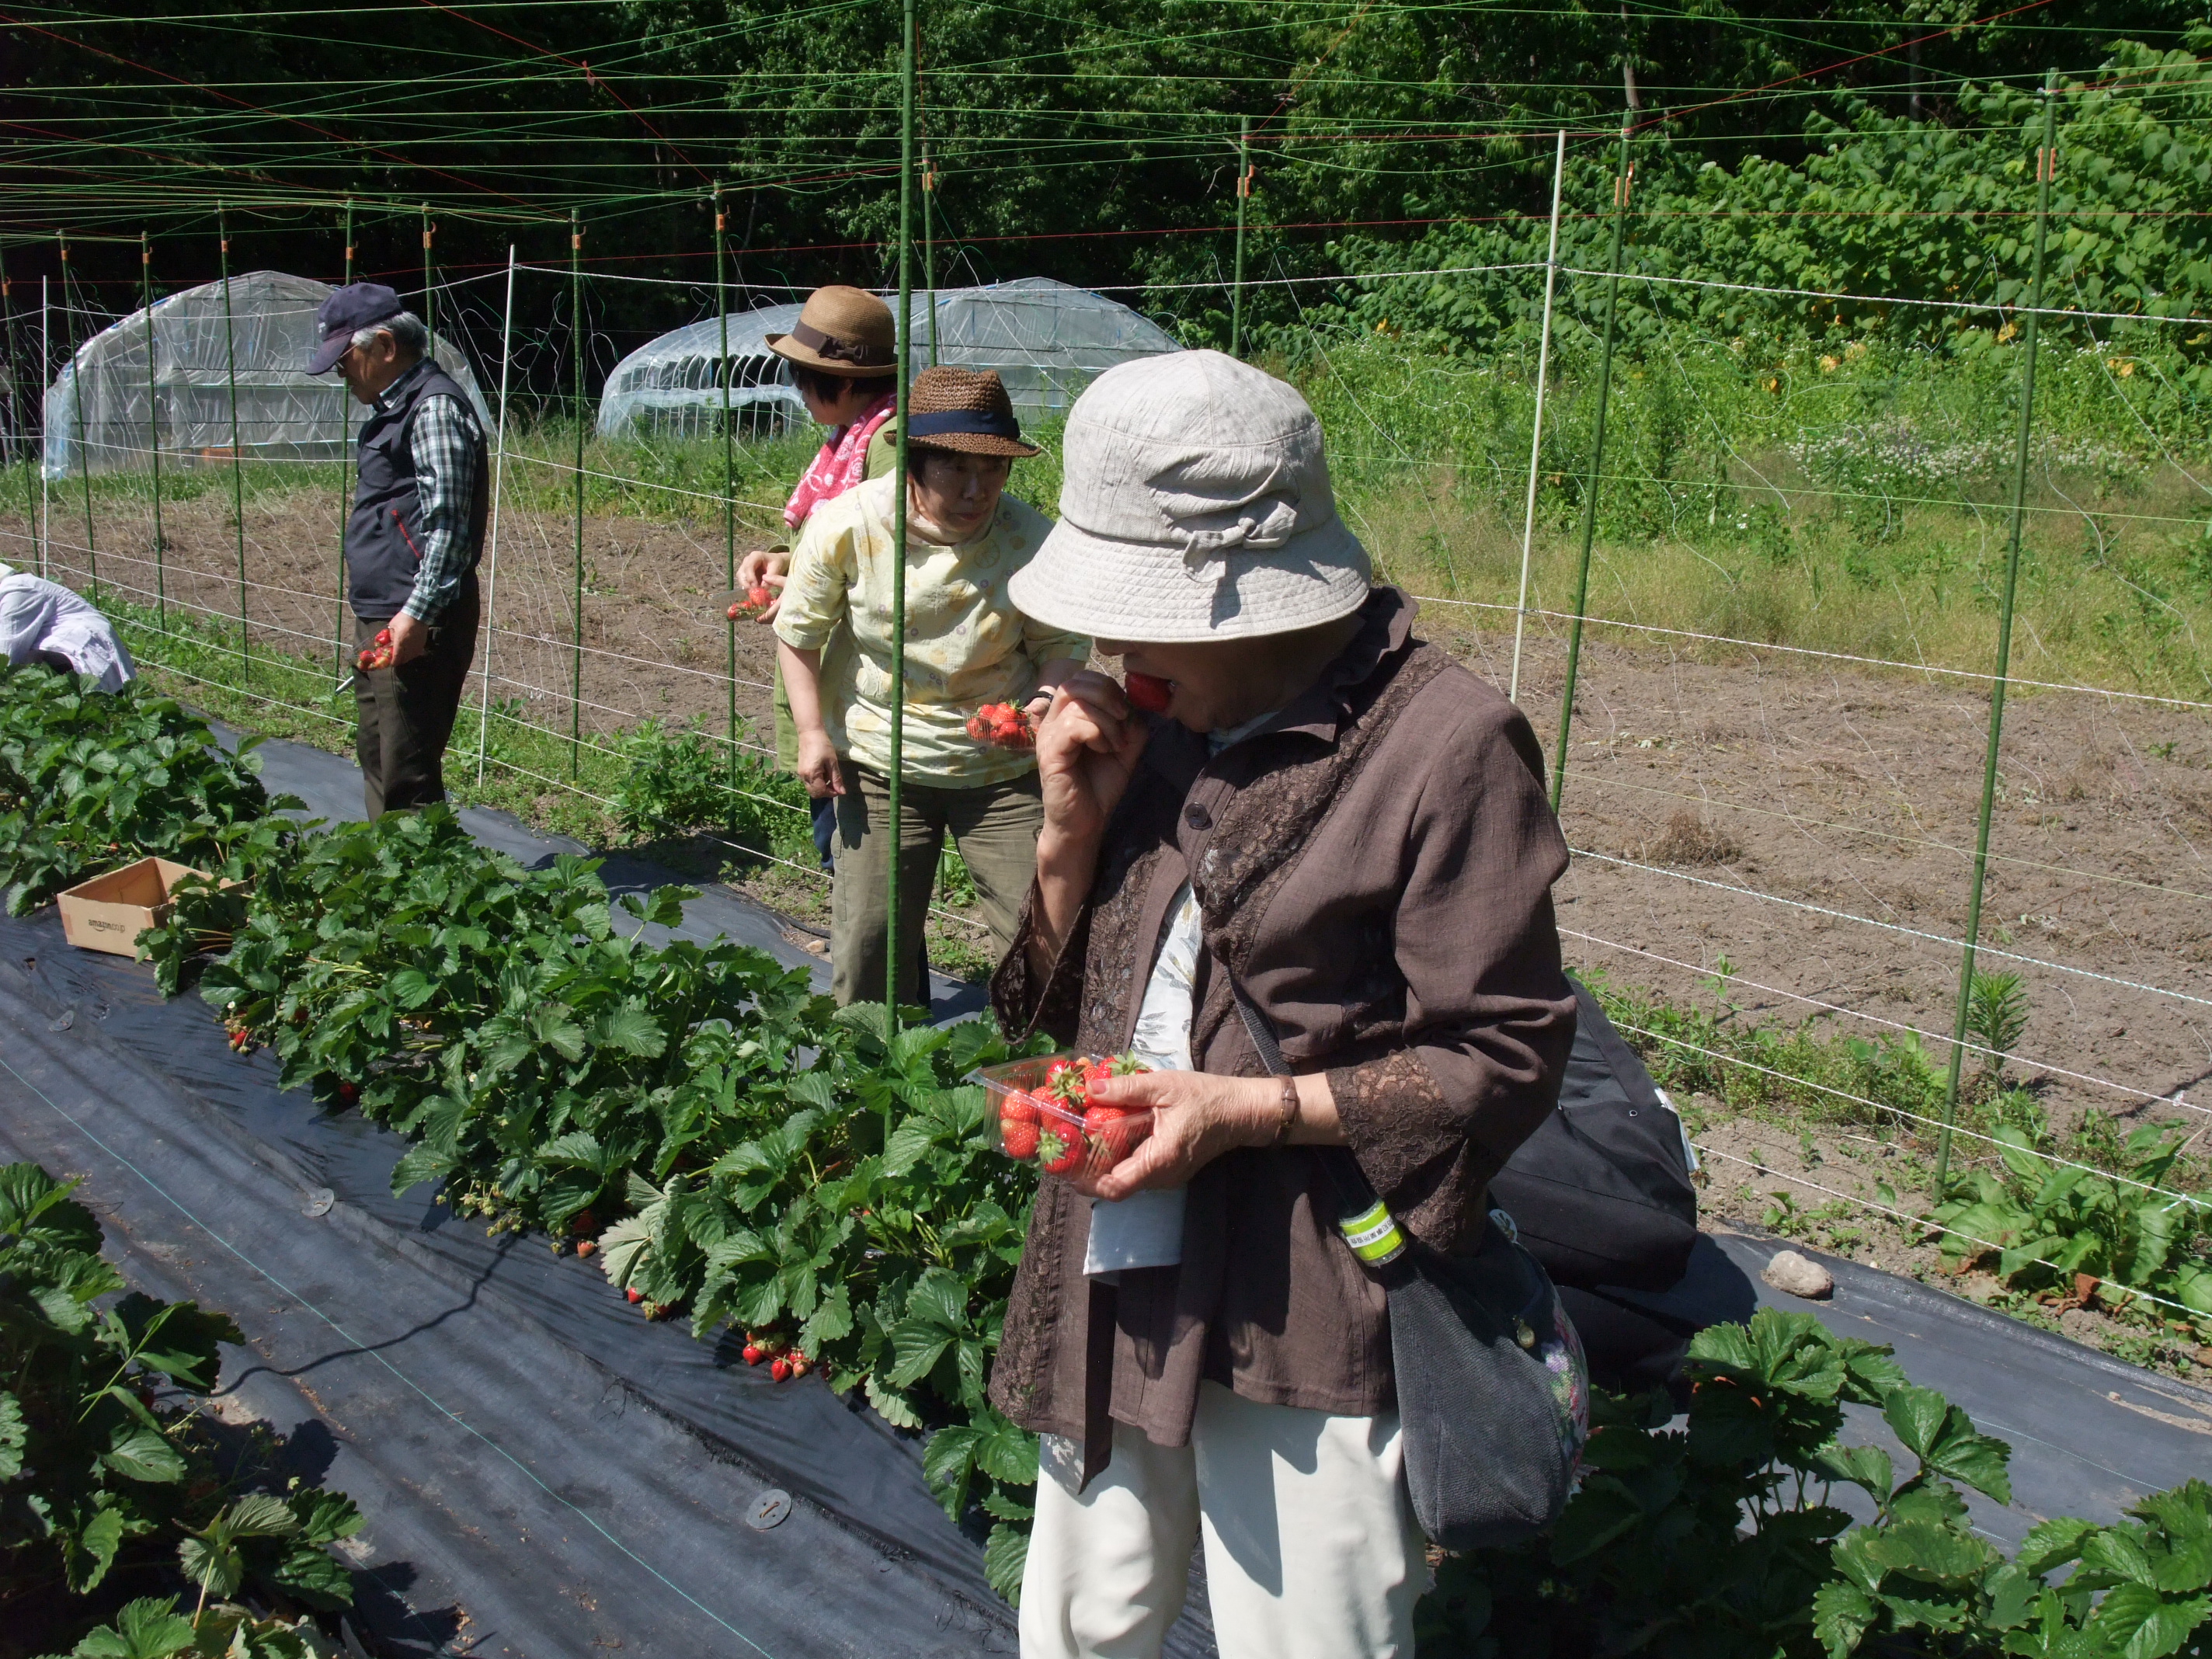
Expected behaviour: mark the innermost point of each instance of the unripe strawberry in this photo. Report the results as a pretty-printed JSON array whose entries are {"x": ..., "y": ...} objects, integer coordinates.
[{"x": 585, "y": 1247}]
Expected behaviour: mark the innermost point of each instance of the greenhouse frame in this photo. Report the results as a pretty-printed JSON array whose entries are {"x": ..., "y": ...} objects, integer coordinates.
[
  {"x": 1046, "y": 339},
  {"x": 283, "y": 413}
]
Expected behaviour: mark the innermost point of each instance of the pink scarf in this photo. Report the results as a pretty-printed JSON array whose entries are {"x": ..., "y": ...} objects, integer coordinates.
[{"x": 842, "y": 463}]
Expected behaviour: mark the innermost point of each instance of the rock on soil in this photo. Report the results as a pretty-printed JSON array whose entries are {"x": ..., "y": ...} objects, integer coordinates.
[{"x": 1788, "y": 1271}]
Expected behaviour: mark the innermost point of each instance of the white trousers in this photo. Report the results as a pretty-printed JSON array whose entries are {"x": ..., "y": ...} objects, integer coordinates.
[{"x": 1311, "y": 1548}]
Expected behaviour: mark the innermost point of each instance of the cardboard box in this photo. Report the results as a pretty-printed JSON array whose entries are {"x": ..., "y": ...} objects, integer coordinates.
[{"x": 109, "y": 912}]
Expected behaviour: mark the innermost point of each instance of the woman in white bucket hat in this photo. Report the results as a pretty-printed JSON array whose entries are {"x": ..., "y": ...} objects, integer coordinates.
[{"x": 1347, "y": 825}]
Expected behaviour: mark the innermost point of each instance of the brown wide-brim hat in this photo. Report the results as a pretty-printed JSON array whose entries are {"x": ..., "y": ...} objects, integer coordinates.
[
  {"x": 965, "y": 410},
  {"x": 842, "y": 331}
]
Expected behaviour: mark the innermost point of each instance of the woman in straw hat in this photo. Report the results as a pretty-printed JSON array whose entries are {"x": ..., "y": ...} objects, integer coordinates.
[
  {"x": 966, "y": 645},
  {"x": 1343, "y": 823},
  {"x": 843, "y": 356}
]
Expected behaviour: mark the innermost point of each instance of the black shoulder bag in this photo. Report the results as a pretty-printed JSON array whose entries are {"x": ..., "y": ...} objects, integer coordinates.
[{"x": 1493, "y": 1394}]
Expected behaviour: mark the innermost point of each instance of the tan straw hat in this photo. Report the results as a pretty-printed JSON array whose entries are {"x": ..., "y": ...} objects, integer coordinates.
[
  {"x": 1194, "y": 505},
  {"x": 965, "y": 410},
  {"x": 842, "y": 331}
]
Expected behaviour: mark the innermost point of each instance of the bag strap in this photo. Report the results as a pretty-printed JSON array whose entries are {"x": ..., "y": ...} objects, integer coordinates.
[{"x": 1354, "y": 1195}]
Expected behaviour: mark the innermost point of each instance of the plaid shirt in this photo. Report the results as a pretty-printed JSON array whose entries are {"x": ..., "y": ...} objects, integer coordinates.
[{"x": 447, "y": 445}]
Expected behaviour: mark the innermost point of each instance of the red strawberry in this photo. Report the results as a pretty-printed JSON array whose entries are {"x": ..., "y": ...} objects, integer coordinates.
[
  {"x": 1016, "y": 1139},
  {"x": 736, "y": 612},
  {"x": 1109, "y": 1126},
  {"x": 779, "y": 1368},
  {"x": 349, "y": 1092},
  {"x": 635, "y": 1295},
  {"x": 754, "y": 1353},
  {"x": 1063, "y": 1081},
  {"x": 1059, "y": 1150},
  {"x": 758, "y": 597},
  {"x": 1149, "y": 693},
  {"x": 978, "y": 728}
]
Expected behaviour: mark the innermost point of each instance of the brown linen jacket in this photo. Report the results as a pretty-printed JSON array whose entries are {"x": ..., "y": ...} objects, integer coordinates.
[{"x": 1375, "y": 865}]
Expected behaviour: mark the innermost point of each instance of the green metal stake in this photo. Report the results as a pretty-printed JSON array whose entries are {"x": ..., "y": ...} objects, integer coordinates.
[
  {"x": 2047, "y": 166},
  {"x": 1243, "y": 191},
  {"x": 429, "y": 293},
  {"x": 576, "y": 340},
  {"x": 729, "y": 476},
  {"x": 237, "y": 457},
  {"x": 1621, "y": 188},
  {"x": 905, "y": 315},
  {"x": 83, "y": 458},
  {"x": 345, "y": 495},
  {"x": 929, "y": 246},
  {"x": 153, "y": 428}
]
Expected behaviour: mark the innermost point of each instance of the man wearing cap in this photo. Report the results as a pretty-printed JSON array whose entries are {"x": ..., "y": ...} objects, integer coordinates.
[
  {"x": 1333, "y": 842},
  {"x": 411, "y": 542},
  {"x": 843, "y": 356}
]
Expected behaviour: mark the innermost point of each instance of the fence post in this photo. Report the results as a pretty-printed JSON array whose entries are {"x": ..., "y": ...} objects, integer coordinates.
[
  {"x": 2047, "y": 166},
  {"x": 1620, "y": 187},
  {"x": 45, "y": 366},
  {"x": 498, "y": 478},
  {"x": 154, "y": 427},
  {"x": 237, "y": 457},
  {"x": 33, "y": 520},
  {"x": 429, "y": 294},
  {"x": 576, "y": 343},
  {"x": 1536, "y": 425},
  {"x": 905, "y": 316},
  {"x": 345, "y": 495},
  {"x": 929, "y": 244},
  {"x": 1243, "y": 189},
  {"x": 76, "y": 402},
  {"x": 729, "y": 483}
]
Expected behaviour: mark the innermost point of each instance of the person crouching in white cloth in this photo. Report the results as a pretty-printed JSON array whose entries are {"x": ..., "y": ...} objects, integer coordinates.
[{"x": 44, "y": 622}]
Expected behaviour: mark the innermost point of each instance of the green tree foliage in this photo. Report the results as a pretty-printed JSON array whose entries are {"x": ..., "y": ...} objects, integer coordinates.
[
  {"x": 1086, "y": 139},
  {"x": 1916, "y": 215}
]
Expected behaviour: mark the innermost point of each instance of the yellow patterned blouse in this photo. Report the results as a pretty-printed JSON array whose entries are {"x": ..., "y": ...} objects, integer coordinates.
[{"x": 966, "y": 645}]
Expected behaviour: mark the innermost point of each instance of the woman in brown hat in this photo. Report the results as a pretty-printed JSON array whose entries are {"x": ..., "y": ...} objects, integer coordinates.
[
  {"x": 843, "y": 356},
  {"x": 966, "y": 645}
]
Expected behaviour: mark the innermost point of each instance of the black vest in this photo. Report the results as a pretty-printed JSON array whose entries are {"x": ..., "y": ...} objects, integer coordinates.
[{"x": 384, "y": 536}]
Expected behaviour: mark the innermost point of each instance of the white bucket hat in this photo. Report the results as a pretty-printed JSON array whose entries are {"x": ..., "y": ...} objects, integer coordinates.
[{"x": 1194, "y": 505}]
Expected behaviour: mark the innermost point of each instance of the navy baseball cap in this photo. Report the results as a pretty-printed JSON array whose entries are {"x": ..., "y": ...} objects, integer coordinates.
[{"x": 349, "y": 309}]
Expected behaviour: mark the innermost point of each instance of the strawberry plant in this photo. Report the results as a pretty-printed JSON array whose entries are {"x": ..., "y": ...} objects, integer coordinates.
[
  {"x": 1713, "y": 1537},
  {"x": 680, "y": 781},
  {"x": 106, "y": 1477},
  {"x": 92, "y": 780},
  {"x": 751, "y": 1156}
]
